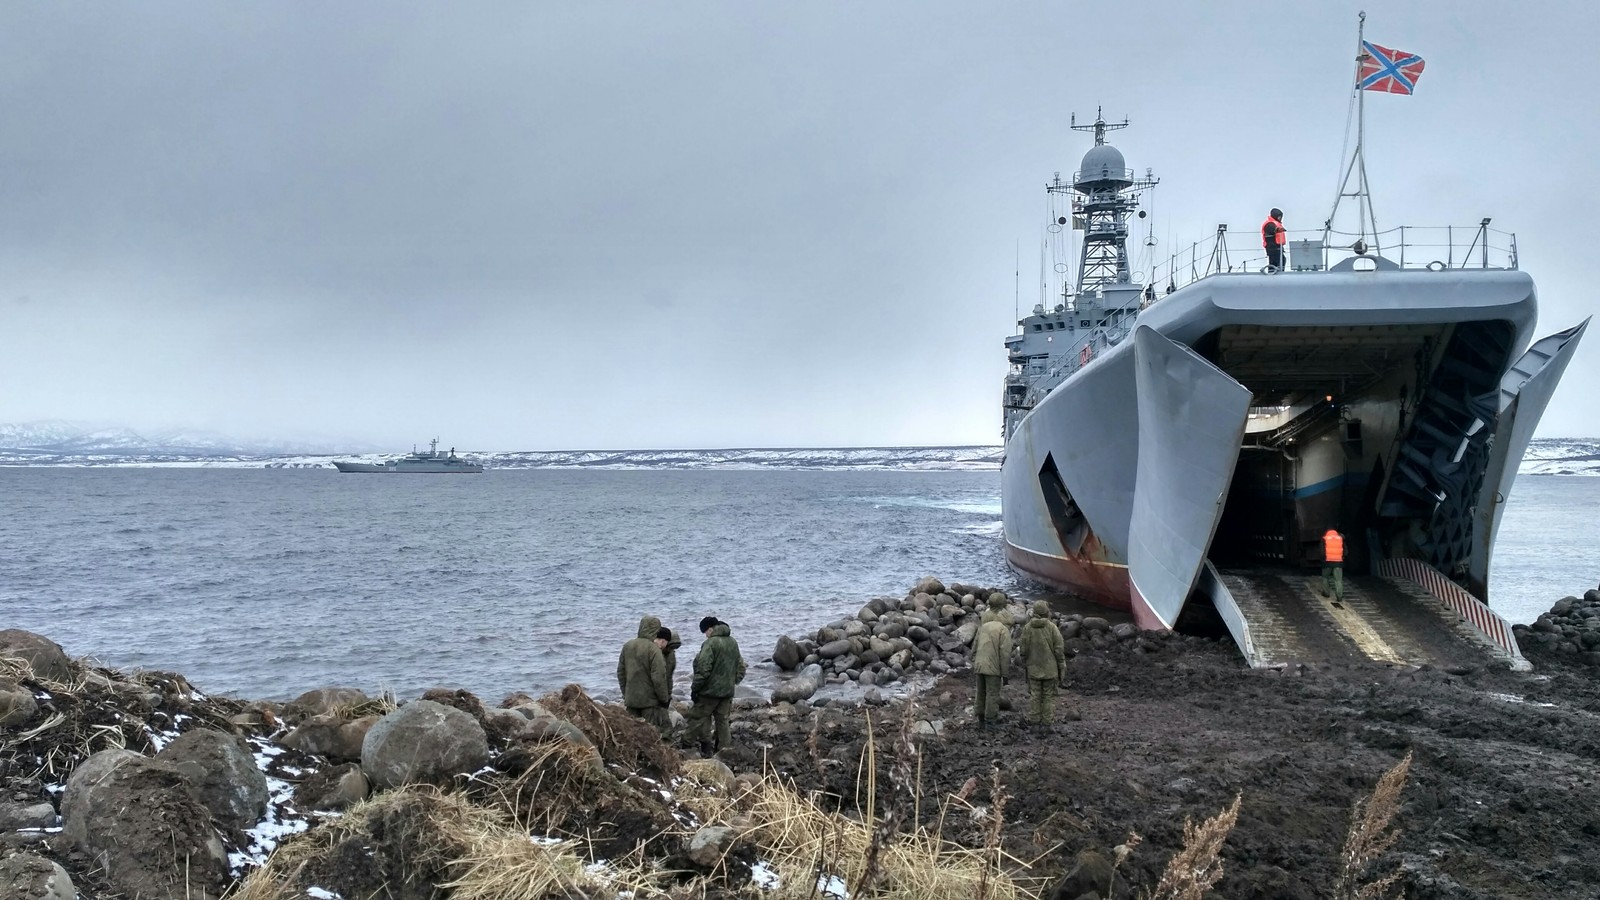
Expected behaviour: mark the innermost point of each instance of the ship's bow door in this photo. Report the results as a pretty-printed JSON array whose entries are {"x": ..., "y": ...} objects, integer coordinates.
[
  {"x": 1191, "y": 421},
  {"x": 1525, "y": 389}
]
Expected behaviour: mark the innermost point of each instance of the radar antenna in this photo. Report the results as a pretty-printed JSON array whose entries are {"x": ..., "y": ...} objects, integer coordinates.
[{"x": 1100, "y": 126}]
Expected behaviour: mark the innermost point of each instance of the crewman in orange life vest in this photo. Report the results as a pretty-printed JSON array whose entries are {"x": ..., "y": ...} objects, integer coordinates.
[
  {"x": 1273, "y": 237},
  {"x": 1333, "y": 563}
]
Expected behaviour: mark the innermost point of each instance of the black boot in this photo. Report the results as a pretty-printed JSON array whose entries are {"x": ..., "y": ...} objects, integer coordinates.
[{"x": 706, "y": 750}]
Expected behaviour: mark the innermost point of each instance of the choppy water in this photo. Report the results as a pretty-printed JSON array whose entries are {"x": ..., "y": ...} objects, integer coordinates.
[{"x": 269, "y": 582}]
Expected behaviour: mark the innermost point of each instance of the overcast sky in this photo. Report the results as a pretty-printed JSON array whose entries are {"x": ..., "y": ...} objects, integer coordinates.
[{"x": 540, "y": 226}]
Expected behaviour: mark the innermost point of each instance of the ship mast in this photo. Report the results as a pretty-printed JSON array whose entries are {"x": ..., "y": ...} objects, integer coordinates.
[
  {"x": 1357, "y": 168},
  {"x": 1108, "y": 194}
]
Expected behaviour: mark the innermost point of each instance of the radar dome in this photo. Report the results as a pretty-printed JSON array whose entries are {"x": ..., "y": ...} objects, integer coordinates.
[{"x": 1103, "y": 162}]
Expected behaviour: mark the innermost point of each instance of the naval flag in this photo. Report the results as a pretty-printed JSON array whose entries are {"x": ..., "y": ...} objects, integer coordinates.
[{"x": 1391, "y": 71}]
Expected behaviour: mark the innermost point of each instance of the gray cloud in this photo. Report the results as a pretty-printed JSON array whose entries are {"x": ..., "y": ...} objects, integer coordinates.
[{"x": 541, "y": 226}]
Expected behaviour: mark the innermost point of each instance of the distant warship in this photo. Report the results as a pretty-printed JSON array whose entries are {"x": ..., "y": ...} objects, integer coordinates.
[
  {"x": 1191, "y": 448},
  {"x": 431, "y": 463}
]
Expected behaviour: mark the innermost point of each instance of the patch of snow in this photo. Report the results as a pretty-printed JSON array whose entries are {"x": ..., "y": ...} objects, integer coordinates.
[
  {"x": 159, "y": 739},
  {"x": 280, "y": 821},
  {"x": 1514, "y": 698},
  {"x": 832, "y": 887},
  {"x": 317, "y": 893},
  {"x": 764, "y": 876}
]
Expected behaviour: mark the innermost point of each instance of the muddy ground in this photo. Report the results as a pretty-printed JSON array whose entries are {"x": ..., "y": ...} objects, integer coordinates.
[{"x": 1501, "y": 801}]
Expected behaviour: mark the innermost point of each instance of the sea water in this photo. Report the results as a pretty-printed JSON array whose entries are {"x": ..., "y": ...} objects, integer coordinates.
[{"x": 268, "y": 582}]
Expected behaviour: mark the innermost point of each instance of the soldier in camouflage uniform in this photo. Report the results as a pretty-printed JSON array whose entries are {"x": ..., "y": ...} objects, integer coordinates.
[
  {"x": 996, "y": 611},
  {"x": 670, "y": 653},
  {"x": 642, "y": 675},
  {"x": 717, "y": 668},
  {"x": 1044, "y": 656},
  {"x": 991, "y": 656}
]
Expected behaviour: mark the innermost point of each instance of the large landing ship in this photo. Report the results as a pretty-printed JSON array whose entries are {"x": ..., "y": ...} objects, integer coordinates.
[{"x": 1187, "y": 443}]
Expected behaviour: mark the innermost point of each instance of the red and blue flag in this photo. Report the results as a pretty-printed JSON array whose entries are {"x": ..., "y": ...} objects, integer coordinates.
[{"x": 1390, "y": 71}]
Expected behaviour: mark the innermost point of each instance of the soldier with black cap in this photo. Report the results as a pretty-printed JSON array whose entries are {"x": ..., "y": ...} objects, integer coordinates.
[{"x": 718, "y": 667}]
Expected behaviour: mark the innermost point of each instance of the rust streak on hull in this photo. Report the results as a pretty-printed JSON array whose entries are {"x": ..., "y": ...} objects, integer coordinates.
[{"x": 1098, "y": 582}]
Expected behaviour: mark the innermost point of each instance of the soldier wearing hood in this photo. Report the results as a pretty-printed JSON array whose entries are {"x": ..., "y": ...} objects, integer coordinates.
[
  {"x": 717, "y": 668},
  {"x": 1044, "y": 656},
  {"x": 991, "y": 655},
  {"x": 642, "y": 674}
]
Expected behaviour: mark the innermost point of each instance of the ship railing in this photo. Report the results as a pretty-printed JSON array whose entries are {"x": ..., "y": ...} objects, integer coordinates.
[
  {"x": 1102, "y": 174},
  {"x": 1407, "y": 246}
]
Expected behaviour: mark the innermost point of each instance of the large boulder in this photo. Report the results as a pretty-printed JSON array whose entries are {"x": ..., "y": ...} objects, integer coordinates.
[
  {"x": 45, "y": 656},
  {"x": 929, "y": 585},
  {"x": 321, "y": 702},
  {"x": 29, "y": 877},
  {"x": 141, "y": 823},
  {"x": 786, "y": 655},
  {"x": 224, "y": 774},
  {"x": 16, "y": 704},
  {"x": 423, "y": 742},
  {"x": 330, "y": 736},
  {"x": 800, "y": 687},
  {"x": 834, "y": 648}
]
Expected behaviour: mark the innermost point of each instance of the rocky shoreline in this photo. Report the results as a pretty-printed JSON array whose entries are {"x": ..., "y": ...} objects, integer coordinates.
[{"x": 120, "y": 785}]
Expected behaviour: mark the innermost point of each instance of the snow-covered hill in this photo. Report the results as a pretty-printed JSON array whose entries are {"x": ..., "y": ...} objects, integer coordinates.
[{"x": 65, "y": 444}]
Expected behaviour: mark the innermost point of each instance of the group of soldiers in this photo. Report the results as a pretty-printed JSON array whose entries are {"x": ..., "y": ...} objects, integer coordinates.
[
  {"x": 648, "y": 662},
  {"x": 1043, "y": 655},
  {"x": 646, "y": 667}
]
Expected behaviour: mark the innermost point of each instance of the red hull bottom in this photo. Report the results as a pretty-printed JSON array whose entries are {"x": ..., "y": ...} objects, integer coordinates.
[{"x": 1106, "y": 584}]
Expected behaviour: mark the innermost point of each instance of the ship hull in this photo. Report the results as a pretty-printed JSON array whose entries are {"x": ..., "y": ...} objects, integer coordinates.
[
  {"x": 1125, "y": 479},
  {"x": 359, "y": 467},
  {"x": 410, "y": 469}
]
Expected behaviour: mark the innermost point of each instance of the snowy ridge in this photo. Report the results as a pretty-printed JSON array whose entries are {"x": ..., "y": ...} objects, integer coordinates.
[
  {"x": 65, "y": 444},
  {"x": 1562, "y": 456}
]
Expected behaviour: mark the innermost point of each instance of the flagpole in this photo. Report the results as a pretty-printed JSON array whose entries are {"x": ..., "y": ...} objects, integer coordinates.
[
  {"x": 1358, "y": 161},
  {"x": 1368, "y": 216}
]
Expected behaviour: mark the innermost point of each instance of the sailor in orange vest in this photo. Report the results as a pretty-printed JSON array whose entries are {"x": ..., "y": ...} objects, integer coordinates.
[
  {"x": 1273, "y": 237},
  {"x": 1333, "y": 563}
]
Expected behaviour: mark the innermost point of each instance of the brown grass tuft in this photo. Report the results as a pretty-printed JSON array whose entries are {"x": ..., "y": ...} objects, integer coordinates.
[
  {"x": 622, "y": 739},
  {"x": 1370, "y": 837},
  {"x": 1198, "y": 865}
]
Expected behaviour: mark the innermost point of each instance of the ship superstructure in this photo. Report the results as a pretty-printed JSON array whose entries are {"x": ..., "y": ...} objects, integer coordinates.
[{"x": 1099, "y": 311}]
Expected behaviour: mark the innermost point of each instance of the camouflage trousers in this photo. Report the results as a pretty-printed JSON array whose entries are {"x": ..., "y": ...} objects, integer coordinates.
[
  {"x": 1042, "y": 700},
  {"x": 1333, "y": 579},
  {"x": 655, "y": 715},
  {"x": 705, "y": 711},
  {"x": 986, "y": 705}
]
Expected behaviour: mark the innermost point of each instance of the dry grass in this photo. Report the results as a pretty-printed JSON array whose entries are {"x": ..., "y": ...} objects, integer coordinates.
[
  {"x": 1198, "y": 864},
  {"x": 487, "y": 854},
  {"x": 806, "y": 842},
  {"x": 558, "y": 780},
  {"x": 381, "y": 705},
  {"x": 1371, "y": 836},
  {"x": 95, "y": 709},
  {"x": 622, "y": 739}
]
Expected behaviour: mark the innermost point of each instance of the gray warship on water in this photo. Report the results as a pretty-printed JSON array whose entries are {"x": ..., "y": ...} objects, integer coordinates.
[
  {"x": 430, "y": 463},
  {"x": 1181, "y": 446}
]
